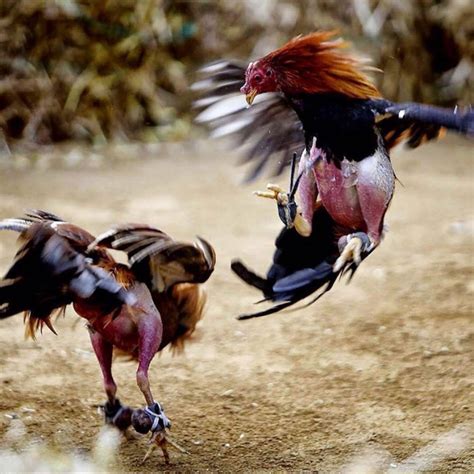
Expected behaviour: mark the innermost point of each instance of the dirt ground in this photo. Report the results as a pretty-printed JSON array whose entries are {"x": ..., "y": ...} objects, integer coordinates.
[{"x": 383, "y": 365}]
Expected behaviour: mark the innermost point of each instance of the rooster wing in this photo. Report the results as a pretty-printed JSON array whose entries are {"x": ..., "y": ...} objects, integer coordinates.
[{"x": 158, "y": 260}]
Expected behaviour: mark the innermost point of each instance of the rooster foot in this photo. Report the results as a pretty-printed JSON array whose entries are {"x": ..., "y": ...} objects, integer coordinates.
[
  {"x": 117, "y": 414},
  {"x": 153, "y": 419},
  {"x": 274, "y": 192},
  {"x": 351, "y": 248},
  {"x": 163, "y": 440},
  {"x": 287, "y": 209}
]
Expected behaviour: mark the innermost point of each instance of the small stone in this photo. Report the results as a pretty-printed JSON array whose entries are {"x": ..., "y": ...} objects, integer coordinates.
[
  {"x": 198, "y": 442},
  {"x": 227, "y": 445},
  {"x": 227, "y": 393}
]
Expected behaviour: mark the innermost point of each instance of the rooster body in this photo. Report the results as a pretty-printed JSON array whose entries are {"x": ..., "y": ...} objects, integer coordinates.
[
  {"x": 137, "y": 309},
  {"x": 321, "y": 102}
]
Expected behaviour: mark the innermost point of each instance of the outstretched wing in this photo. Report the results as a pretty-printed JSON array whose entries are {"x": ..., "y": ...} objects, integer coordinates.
[
  {"x": 51, "y": 269},
  {"x": 416, "y": 124},
  {"x": 270, "y": 129},
  {"x": 157, "y": 259}
]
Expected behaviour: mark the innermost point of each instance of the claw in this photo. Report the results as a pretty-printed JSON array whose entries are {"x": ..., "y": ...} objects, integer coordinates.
[
  {"x": 265, "y": 194},
  {"x": 163, "y": 440},
  {"x": 352, "y": 252},
  {"x": 276, "y": 188},
  {"x": 274, "y": 191}
]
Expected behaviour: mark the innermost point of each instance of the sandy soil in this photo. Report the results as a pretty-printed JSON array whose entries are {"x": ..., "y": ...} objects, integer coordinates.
[{"x": 384, "y": 365}]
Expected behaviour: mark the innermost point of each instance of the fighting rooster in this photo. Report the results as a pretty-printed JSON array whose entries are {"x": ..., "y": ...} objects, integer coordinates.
[
  {"x": 322, "y": 102},
  {"x": 138, "y": 308}
]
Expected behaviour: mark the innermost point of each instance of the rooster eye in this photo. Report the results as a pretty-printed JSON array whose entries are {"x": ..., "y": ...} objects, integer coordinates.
[
  {"x": 258, "y": 79},
  {"x": 268, "y": 73}
]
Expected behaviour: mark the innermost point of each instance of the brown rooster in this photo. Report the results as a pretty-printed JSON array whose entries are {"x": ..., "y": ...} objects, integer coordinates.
[
  {"x": 138, "y": 308},
  {"x": 319, "y": 101}
]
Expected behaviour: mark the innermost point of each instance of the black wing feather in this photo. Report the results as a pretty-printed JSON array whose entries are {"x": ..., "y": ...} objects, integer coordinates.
[{"x": 416, "y": 123}]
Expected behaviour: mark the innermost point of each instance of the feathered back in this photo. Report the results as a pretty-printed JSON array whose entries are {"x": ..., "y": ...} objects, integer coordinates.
[{"x": 314, "y": 64}]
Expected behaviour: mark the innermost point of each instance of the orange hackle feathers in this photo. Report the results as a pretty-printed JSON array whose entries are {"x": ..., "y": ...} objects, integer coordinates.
[
  {"x": 33, "y": 323},
  {"x": 190, "y": 300},
  {"x": 316, "y": 64}
]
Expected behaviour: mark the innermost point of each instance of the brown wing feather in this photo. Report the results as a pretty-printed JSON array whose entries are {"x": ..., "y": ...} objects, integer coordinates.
[{"x": 157, "y": 259}]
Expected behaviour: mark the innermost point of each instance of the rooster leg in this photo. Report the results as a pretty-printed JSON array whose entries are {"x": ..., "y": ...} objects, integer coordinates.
[
  {"x": 150, "y": 331},
  {"x": 351, "y": 248},
  {"x": 152, "y": 418},
  {"x": 288, "y": 211},
  {"x": 115, "y": 413}
]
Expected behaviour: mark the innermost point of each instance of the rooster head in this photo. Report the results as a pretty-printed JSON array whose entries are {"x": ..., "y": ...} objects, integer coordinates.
[
  {"x": 309, "y": 64},
  {"x": 259, "y": 78}
]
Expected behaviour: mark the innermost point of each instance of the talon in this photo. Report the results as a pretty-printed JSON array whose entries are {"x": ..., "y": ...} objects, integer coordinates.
[
  {"x": 163, "y": 440},
  {"x": 265, "y": 194},
  {"x": 275, "y": 187},
  {"x": 274, "y": 192},
  {"x": 351, "y": 252}
]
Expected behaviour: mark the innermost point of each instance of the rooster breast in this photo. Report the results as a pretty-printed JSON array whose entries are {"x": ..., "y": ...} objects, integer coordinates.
[{"x": 353, "y": 191}]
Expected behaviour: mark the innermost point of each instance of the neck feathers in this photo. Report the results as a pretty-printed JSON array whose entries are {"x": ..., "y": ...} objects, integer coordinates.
[{"x": 312, "y": 64}]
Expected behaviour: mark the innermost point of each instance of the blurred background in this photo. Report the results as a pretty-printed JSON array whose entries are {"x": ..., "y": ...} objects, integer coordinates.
[
  {"x": 96, "y": 126},
  {"x": 121, "y": 69}
]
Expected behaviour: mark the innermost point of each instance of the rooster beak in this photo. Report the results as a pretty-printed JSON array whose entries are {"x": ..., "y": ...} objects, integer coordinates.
[{"x": 251, "y": 96}]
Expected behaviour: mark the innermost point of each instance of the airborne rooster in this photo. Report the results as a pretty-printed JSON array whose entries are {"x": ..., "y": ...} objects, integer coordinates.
[
  {"x": 322, "y": 103},
  {"x": 138, "y": 308}
]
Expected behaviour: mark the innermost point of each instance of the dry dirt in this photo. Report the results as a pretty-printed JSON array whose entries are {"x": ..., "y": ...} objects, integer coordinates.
[{"x": 383, "y": 365}]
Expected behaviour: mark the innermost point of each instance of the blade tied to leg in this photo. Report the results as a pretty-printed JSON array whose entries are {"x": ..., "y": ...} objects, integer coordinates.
[{"x": 160, "y": 420}]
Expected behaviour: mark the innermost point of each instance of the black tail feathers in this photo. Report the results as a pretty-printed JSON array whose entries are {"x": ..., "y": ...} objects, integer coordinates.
[
  {"x": 302, "y": 266},
  {"x": 289, "y": 289}
]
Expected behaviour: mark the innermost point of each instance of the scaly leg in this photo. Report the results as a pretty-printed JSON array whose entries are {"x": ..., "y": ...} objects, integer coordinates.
[
  {"x": 307, "y": 190},
  {"x": 152, "y": 418},
  {"x": 290, "y": 214},
  {"x": 300, "y": 217},
  {"x": 115, "y": 413}
]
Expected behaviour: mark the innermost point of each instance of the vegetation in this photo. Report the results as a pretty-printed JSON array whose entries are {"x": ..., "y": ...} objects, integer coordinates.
[{"x": 120, "y": 69}]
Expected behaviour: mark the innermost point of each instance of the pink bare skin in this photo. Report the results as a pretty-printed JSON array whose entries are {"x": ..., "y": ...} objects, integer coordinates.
[
  {"x": 356, "y": 195},
  {"x": 307, "y": 189},
  {"x": 137, "y": 330}
]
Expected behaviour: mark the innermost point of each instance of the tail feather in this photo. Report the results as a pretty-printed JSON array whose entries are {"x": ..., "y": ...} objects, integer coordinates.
[
  {"x": 301, "y": 266},
  {"x": 249, "y": 276},
  {"x": 17, "y": 225},
  {"x": 301, "y": 279}
]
